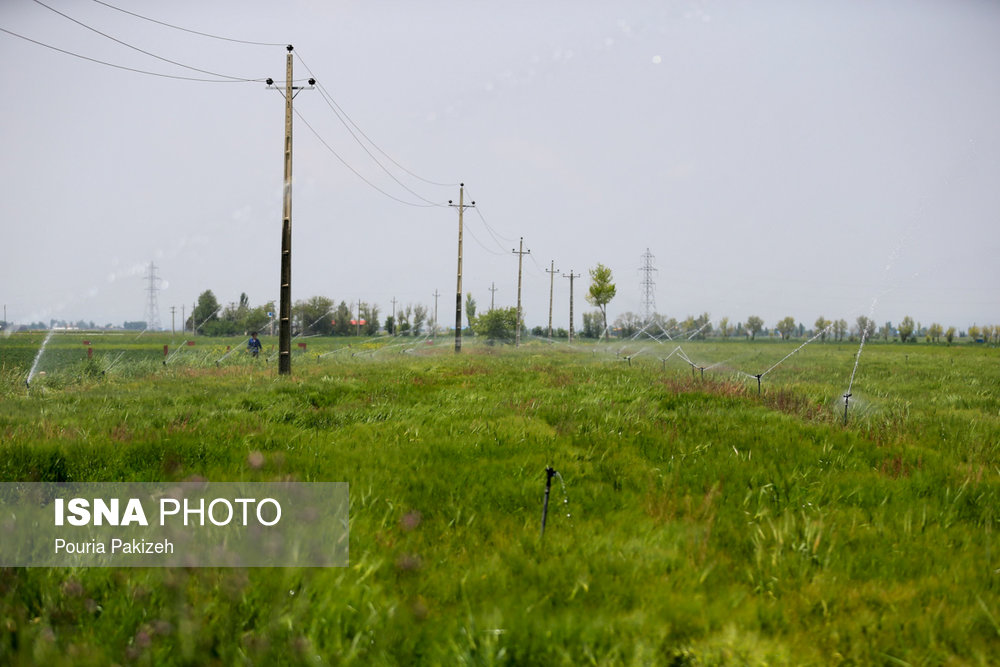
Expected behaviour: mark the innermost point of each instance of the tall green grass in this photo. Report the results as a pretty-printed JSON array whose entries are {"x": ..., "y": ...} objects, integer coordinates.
[{"x": 701, "y": 523}]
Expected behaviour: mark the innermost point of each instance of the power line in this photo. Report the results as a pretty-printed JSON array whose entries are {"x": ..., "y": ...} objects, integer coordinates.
[
  {"x": 193, "y": 32},
  {"x": 495, "y": 234},
  {"x": 143, "y": 51},
  {"x": 339, "y": 111},
  {"x": 331, "y": 104},
  {"x": 123, "y": 67},
  {"x": 355, "y": 171},
  {"x": 482, "y": 245}
]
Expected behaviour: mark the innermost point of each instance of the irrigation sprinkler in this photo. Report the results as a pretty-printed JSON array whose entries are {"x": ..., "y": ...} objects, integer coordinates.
[
  {"x": 550, "y": 472},
  {"x": 758, "y": 376},
  {"x": 847, "y": 398}
]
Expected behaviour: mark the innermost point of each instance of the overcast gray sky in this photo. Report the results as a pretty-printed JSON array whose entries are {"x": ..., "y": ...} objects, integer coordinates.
[{"x": 797, "y": 158}]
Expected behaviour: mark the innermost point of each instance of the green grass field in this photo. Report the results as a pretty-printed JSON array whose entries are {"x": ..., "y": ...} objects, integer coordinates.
[{"x": 701, "y": 523}]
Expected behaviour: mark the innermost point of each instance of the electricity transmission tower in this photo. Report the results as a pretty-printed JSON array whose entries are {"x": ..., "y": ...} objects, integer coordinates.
[
  {"x": 647, "y": 286},
  {"x": 152, "y": 302}
]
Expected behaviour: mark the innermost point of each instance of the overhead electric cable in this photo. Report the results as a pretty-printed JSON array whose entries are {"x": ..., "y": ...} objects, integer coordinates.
[
  {"x": 143, "y": 51},
  {"x": 333, "y": 103},
  {"x": 333, "y": 108},
  {"x": 193, "y": 32},
  {"x": 122, "y": 67},
  {"x": 494, "y": 233},
  {"x": 481, "y": 245},
  {"x": 355, "y": 171}
]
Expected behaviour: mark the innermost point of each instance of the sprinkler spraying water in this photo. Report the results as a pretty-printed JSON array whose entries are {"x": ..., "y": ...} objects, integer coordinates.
[
  {"x": 550, "y": 472},
  {"x": 38, "y": 357}
]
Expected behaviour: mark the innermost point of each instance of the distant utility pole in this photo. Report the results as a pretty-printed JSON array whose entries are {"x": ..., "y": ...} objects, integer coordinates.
[
  {"x": 436, "y": 295},
  {"x": 647, "y": 285},
  {"x": 393, "y": 316},
  {"x": 359, "y": 317},
  {"x": 184, "y": 322},
  {"x": 571, "y": 276},
  {"x": 520, "y": 262},
  {"x": 173, "y": 329},
  {"x": 493, "y": 293},
  {"x": 285, "y": 293},
  {"x": 552, "y": 275},
  {"x": 458, "y": 293},
  {"x": 152, "y": 306}
]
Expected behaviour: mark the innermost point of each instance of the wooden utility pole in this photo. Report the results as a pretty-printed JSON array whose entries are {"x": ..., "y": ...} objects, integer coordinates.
[
  {"x": 458, "y": 293},
  {"x": 520, "y": 262},
  {"x": 436, "y": 295},
  {"x": 571, "y": 276},
  {"x": 173, "y": 309},
  {"x": 552, "y": 275},
  {"x": 393, "y": 332},
  {"x": 285, "y": 292},
  {"x": 493, "y": 293},
  {"x": 359, "y": 318}
]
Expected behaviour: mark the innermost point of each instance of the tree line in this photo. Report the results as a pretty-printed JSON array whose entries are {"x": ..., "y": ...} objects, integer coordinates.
[{"x": 319, "y": 315}]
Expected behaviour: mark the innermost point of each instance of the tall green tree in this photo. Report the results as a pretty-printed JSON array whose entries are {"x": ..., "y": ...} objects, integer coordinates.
[
  {"x": 821, "y": 325},
  {"x": 628, "y": 324},
  {"x": 840, "y": 328},
  {"x": 419, "y": 317},
  {"x": 724, "y": 329},
  {"x": 905, "y": 329},
  {"x": 342, "y": 318},
  {"x": 786, "y": 327},
  {"x": 257, "y": 318},
  {"x": 591, "y": 325},
  {"x": 314, "y": 315},
  {"x": 370, "y": 314},
  {"x": 205, "y": 310},
  {"x": 866, "y": 327},
  {"x": 601, "y": 292},
  {"x": 497, "y": 325},
  {"x": 470, "y": 308},
  {"x": 754, "y": 325}
]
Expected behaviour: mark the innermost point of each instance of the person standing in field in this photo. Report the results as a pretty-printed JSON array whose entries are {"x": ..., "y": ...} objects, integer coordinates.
[{"x": 253, "y": 345}]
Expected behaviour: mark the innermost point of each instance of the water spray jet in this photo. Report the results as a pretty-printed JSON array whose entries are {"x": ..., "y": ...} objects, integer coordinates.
[{"x": 550, "y": 472}]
